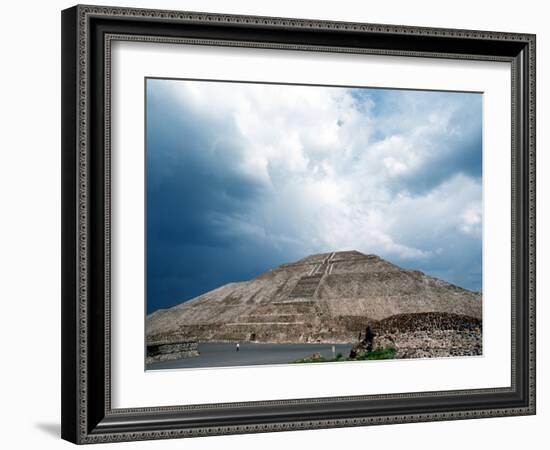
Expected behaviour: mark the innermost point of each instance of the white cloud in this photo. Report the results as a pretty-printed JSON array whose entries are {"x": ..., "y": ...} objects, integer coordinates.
[
  {"x": 472, "y": 221},
  {"x": 336, "y": 174}
]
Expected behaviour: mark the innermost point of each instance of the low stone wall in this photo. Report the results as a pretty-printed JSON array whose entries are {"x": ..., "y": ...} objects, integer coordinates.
[
  {"x": 416, "y": 335},
  {"x": 166, "y": 351},
  {"x": 432, "y": 344},
  {"x": 430, "y": 335}
]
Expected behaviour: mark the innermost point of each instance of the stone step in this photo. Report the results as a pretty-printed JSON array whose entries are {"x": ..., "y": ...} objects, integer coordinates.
[
  {"x": 263, "y": 323},
  {"x": 306, "y": 286},
  {"x": 296, "y": 301},
  {"x": 268, "y": 318}
]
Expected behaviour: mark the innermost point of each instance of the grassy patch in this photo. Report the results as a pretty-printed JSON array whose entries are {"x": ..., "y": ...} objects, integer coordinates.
[
  {"x": 379, "y": 353},
  {"x": 376, "y": 354}
]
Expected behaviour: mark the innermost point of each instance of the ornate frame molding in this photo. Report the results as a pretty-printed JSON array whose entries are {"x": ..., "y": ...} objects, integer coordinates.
[{"x": 86, "y": 276}]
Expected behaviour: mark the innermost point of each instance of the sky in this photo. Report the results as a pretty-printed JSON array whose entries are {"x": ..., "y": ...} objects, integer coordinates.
[{"x": 243, "y": 177}]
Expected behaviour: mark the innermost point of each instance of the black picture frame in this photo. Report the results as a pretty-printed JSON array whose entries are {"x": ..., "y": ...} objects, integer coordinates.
[{"x": 87, "y": 415}]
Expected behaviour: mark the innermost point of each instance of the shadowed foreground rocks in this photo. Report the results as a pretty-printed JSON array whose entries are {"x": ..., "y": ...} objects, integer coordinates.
[
  {"x": 170, "y": 350},
  {"x": 429, "y": 335},
  {"x": 331, "y": 298}
]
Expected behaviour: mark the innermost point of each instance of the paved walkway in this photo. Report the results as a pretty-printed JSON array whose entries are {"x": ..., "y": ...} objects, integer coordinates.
[{"x": 224, "y": 355}]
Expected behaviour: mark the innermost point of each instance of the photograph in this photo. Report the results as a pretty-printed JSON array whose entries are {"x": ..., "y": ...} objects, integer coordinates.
[
  {"x": 300, "y": 224},
  {"x": 276, "y": 220}
]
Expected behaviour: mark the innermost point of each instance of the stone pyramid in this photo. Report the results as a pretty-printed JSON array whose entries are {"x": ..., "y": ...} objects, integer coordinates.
[{"x": 328, "y": 297}]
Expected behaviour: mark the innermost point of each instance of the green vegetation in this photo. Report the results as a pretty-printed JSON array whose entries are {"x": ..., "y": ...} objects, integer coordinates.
[
  {"x": 379, "y": 353},
  {"x": 376, "y": 354}
]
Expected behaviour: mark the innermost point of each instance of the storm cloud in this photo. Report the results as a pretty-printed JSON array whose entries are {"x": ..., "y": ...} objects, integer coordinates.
[{"x": 242, "y": 177}]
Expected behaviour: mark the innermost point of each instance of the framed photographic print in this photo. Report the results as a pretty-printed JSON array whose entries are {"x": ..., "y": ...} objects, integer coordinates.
[{"x": 280, "y": 224}]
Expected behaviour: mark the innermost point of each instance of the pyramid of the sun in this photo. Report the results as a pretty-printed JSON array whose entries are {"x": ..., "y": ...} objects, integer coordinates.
[{"x": 327, "y": 297}]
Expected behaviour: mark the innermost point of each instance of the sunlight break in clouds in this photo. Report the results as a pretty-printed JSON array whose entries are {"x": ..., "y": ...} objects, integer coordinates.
[{"x": 266, "y": 174}]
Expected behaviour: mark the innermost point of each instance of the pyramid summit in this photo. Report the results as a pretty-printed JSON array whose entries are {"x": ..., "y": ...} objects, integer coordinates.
[{"x": 327, "y": 297}]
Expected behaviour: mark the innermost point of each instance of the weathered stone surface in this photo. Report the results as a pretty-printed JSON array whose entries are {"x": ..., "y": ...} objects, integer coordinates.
[
  {"x": 329, "y": 297},
  {"x": 166, "y": 350},
  {"x": 429, "y": 335}
]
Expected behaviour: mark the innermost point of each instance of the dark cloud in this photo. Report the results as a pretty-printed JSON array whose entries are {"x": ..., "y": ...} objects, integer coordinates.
[
  {"x": 242, "y": 178},
  {"x": 190, "y": 180}
]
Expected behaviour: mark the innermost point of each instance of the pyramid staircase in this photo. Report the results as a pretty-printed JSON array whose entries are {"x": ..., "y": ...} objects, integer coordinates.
[{"x": 306, "y": 286}]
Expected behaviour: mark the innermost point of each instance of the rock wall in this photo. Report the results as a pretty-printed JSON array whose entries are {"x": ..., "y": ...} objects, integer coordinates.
[
  {"x": 430, "y": 335},
  {"x": 166, "y": 351}
]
